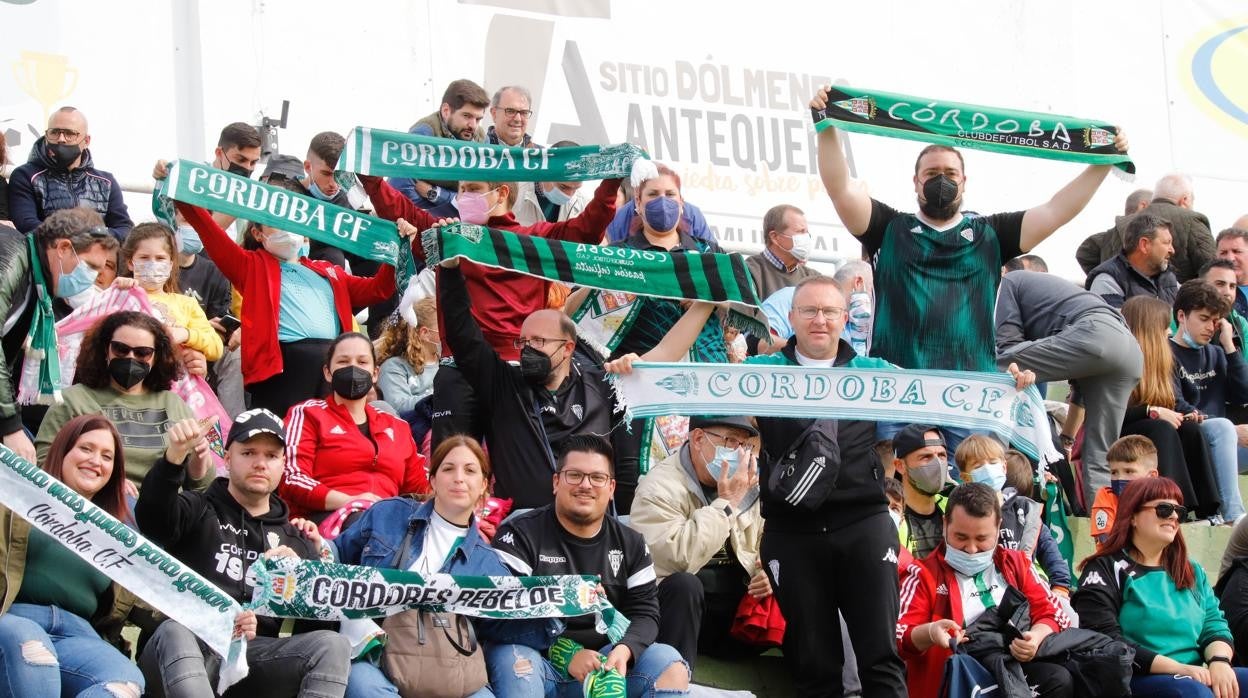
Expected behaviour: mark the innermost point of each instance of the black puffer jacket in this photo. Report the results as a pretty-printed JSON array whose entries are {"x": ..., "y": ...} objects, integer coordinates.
[{"x": 39, "y": 188}]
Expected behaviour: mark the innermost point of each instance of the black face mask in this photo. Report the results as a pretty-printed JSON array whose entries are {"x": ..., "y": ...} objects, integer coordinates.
[
  {"x": 63, "y": 154},
  {"x": 535, "y": 366},
  {"x": 235, "y": 168},
  {"x": 941, "y": 198},
  {"x": 351, "y": 382},
  {"x": 128, "y": 372}
]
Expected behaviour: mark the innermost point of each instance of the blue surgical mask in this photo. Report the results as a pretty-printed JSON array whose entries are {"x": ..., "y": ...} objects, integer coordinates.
[
  {"x": 991, "y": 473},
  {"x": 662, "y": 214},
  {"x": 305, "y": 249},
  {"x": 724, "y": 456},
  {"x": 75, "y": 281},
  {"x": 556, "y": 196},
  {"x": 188, "y": 240},
  {"x": 1117, "y": 486},
  {"x": 1188, "y": 341},
  {"x": 315, "y": 190},
  {"x": 968, "y": 564}
]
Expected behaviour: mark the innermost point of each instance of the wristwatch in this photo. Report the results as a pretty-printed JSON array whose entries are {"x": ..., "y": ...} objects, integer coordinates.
[
  {"x": 1219, "y": 658},
  {"x": 1153, "y": 413},
  {"x": 432, "y": 194}
]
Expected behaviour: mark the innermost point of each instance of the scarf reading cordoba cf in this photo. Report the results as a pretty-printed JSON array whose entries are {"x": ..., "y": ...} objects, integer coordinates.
[
  {"x": 1032, "y": 134},
  {"x": 716, "y": 278},
  {"x": 371, "y": 151}
]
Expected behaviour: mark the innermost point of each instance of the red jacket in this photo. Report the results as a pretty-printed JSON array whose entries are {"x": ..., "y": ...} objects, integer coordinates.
[
  {"x": 258, "y": 277},
  {"x": 326, "y": 452},
  {"x": 926, "y": 587},
  {"x": 501, "y": 300}
]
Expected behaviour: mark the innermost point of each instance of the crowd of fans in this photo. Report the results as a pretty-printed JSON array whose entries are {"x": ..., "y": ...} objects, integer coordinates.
[{"x": 464, "y": 425}]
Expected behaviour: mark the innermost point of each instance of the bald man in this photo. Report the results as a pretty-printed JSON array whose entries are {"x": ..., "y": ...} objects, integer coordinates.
[
  {"x": 61, "y": 175},
  {"x": 558, "y": 390},
  {"x": 1173, "y": 200}
]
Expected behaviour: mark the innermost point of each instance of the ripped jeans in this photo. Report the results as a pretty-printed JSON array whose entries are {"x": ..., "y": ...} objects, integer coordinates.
[
  {"x": 48, "y": 651},
  {"x": 517, "y": 671}
]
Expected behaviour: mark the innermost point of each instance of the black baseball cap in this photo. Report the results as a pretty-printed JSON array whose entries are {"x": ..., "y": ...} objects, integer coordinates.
[
  {"x": 287, "y": 166},
  {"x": 913, "y": 437},
  {"x": 731, "y": 421},
  {"x": 253, "y": 423}
]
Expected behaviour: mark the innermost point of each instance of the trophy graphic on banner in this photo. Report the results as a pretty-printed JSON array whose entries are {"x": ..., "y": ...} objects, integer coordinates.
[{"x": 47, "y": 77}]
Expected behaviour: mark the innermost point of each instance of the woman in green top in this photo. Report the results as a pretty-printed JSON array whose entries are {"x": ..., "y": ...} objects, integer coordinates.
[
  {"x": 1142, "y": 589},
  {"x": 56, "y": 608},
  {"x": 125, "y": 370}
]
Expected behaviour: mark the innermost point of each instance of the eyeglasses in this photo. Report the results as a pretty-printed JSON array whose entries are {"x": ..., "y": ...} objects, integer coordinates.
[
  {"x": 808, "y": 312},
  {"x": 122, "y": 349},
  {"x": 729, "y": 441},
  {"x": 65, "y": 133},
  {"x": 576, "y": 477},
  {"x": 511, "y": 113},
  {"x": 1165, "y": 510},
  {"x": 535, "y": 342}
]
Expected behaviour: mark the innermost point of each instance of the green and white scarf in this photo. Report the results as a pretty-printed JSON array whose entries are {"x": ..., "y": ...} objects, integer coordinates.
[
  {"x": 371, "y": 151},
  {"x": 40, "y": 345},
  {"x": 716, "y": 278},
  {"x": 1032, "y": 134},
  {"x": 983, "y": 401},
  {"x": 217, "y": 190},
  {"x": 126, "y": 557},
  {"x": 293, "y": 588}
]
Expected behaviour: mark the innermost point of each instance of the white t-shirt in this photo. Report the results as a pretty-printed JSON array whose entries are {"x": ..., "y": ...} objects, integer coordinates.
[
  {"x": 818, "y": 363},
  {"x": 990, "y": 582},
  {"x": 441, "y": 539}
]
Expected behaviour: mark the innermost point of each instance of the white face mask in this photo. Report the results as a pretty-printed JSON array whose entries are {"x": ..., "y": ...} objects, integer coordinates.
[
  {"x": 152, "y": 273},
  {"x": 82, "y": 297},
  {"x": 283, "y": 245},
  {"x": 895, "y": 516},
  {"x": 802, "y": 246}
]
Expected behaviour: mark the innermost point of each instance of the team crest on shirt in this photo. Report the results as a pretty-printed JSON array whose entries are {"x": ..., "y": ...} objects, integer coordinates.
[
  {"x": 616, "y": 558},
  {"x": 968, "y": 234},
  {"x": 273, "y": 540},
  {"x": 1102, "y": 519},
  {"x": 579, "y": 411}
]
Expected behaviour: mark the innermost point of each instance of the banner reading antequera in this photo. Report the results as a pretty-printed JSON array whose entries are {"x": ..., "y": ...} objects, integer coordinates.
[
  {"x": 371, "y": 151},
  {"x": 1032, "y": 134},
  {"x": 293, "y": 588},
  {"x": 216, "y": 190},
  {"x": 712, "y": 277},
  {"x": 125, "y": 557},
  {"x": 986, "y": 401}
]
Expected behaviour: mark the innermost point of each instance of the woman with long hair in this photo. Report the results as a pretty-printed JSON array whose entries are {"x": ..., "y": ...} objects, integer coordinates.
[
  {"x": 125, "y": 370},
  {"x": 57, "y": 610},
  {"x": 1141, "y": 588},
  {"x": 1182, "y": 453},
  {"x": 439, "y": 535},
  {"x": 409, "y": 357},
  {"x": 341, "y": 447}
]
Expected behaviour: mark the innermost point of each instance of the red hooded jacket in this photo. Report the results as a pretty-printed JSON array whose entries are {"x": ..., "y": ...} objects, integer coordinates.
[
  {"x": 501, "y": 300},
  {"x": 929, "y": 592},
  {"x": 258, "y": 277}
]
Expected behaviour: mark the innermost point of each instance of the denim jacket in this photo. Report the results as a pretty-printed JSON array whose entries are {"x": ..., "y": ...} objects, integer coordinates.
[{"x": 374, "y": 540}]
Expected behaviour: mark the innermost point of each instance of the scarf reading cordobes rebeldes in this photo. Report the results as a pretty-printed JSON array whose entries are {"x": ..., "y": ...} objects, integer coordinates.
[{"x": 1032, "y": 134}]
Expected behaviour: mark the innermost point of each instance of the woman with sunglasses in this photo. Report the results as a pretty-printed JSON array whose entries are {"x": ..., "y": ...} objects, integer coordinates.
[
  {"x": 60, "y": 618},
  {"x": 1141, "y": 588},
  {"x": 125, "y": 370}
]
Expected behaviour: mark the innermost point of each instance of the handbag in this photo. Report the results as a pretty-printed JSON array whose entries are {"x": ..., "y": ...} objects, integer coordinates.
[
  {"x": 432, "y": 655},
  {"x": 806, "y": 472}
]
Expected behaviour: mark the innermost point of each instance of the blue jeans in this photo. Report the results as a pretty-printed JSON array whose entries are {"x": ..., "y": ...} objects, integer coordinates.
[
  {"x": 1167, "y": 686},
  {"x": 517, "y": 671},
  {"x": 367, "y": 680},
  {"x": 1224, "y": 451},
  {"x": 47, "y": 651}
]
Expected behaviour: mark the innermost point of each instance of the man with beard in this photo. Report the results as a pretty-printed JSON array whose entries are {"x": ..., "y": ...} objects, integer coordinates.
[
  {"x": 60, "y": 174},
  {"x": 1143, "y": 266},
  {"x": 459, "y": 118}
]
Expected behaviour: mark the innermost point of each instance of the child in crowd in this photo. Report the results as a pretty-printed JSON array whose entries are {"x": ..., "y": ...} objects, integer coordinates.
[
  {"x": 1019, "y": 474},
  {"x": 981, "y": 458},
  {"x": 1130, "y": 458}
]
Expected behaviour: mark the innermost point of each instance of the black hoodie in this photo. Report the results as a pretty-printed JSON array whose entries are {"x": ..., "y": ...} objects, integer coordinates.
[{"x": 211, "y": 533}]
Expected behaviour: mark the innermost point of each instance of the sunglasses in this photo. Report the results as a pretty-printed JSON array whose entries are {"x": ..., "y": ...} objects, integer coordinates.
[
  {"x": 121, "y": 349},
  {"x": 1165, "y": 510}
]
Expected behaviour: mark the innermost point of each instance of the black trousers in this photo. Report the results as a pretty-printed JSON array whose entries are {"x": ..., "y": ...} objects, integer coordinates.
[
  {"x": 696, "y": 621},
  {"x": 301, "y": 377},
  {"x": 851, "y": 570},
  {"x": 1049, "y": 680},
  {"x": 1182, "y": 456}
]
